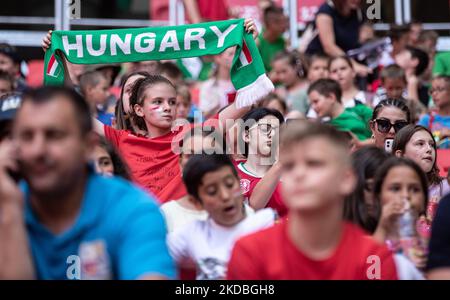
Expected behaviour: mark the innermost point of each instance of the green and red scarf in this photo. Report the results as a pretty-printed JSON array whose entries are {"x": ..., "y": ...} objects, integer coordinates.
[{"x": 163, "y": 43}]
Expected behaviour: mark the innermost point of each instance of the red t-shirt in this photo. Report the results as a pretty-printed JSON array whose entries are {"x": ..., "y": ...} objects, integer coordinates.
[
  {"x": 153, "y": 164},
  {"x": 271, "y": 255},
  {"x": 248, "y": 183},
  {"x": 213, "y": 10}
]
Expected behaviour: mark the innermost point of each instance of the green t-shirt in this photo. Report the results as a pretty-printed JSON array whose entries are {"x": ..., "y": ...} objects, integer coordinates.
[
  {"x": 298, "y": 100},
  {"x": 442, "y": 64},
  {"x": 350, "y": 120},
  {"x": 363, "y": 111},
  {"x": 269, "y": 50}
]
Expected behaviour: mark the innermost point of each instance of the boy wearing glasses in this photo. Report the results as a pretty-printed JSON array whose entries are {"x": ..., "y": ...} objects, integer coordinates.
[
  {"x": 259, "y": 134},
  {"x": 325, "y": 97},
  {"x": 438, "y": 120},
  {"x": 313, "y": 243}
]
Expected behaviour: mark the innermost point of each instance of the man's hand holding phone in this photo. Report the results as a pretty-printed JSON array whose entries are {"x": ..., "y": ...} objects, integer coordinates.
[{"x": 10, "y": 193}]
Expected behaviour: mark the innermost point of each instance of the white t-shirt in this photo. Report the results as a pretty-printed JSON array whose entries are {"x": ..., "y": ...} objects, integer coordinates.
[
  {"x": 209, "y": 244},
  {"x": 214, "y": 94},
  {"x": 177, "y": 216},
  {"x": 360, "y": 96},
  {"x": 406, "y": 269}
]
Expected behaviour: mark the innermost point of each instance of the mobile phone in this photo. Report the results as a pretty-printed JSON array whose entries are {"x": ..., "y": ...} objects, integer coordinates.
[{"x": 388, "y": 145}]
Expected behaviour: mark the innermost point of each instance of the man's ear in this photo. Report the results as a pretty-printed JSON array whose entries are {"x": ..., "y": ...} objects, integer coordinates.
[
  {"x": 139, "y": 110},
  {"x": 331, "y": 97},
  {"x": 398, "y": 153}
]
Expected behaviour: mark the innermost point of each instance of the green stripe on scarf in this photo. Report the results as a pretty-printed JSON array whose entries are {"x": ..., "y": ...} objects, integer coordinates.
[{"x": 160, "y": 43}]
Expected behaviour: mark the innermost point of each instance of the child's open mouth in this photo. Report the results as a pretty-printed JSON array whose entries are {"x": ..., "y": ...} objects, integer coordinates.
[{"x": 230, "y": 209}]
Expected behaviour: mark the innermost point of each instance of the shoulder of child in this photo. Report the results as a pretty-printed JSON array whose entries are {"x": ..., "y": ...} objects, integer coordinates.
[{"x": 257, "y": 221}]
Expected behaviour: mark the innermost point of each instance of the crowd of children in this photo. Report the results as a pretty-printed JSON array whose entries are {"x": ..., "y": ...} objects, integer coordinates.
[{"x": 334, "y": 175}]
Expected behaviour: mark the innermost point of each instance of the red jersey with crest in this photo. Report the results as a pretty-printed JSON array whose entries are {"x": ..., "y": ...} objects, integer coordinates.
[{"x": 248, "y": 182}]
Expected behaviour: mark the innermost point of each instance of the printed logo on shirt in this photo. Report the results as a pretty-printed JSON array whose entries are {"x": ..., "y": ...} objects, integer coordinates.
[
  {"x": 211, "y": 269},
  {"x": 245, "y": 185},
  {"x": 94, "y": 259}
]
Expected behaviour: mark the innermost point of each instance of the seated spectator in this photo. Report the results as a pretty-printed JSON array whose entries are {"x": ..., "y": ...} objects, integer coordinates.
[
  {"x": 325, "y": 96},
  {"x": 389, "y": 116},
  {"x": 400, "y": 185},
  {"x": 438, "y": 120},
  {"x": 10, "y": 63},
  {"x": 107, "y": 161},
  {"x": 289, "y": 72},
  {"x": 366, "y": 33},
  {"x": 394, "y": 86},
  {"x": 341, "y": 69},
  {"x": 416, "y": 143},
  {"x": 6, "y": 83},
  {"x": 212, "y": 181},
  {"x": 415, "y": 30},
  {"x": 360, "y": 207},
  {"x": 316, "y": 68},
  {"x": 313, "y": 242},
  {"x": 414, "y": 62},
  {"x": 273, "y": 101},
  {"x": 62, "y": 212},
  {"x": 260, "y": 137},
  {"x": 95, "y": 88},
  {"x": 399, "y": 37},
  {"x": 180, "y": 212},
  {"x": 184, "y": 102},
  {"x": 270, "y": 41}
]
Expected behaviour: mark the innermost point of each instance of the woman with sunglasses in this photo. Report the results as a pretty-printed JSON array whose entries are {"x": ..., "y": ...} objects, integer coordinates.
[
  {"x": 416, "y": 142},
  {"x": 388, "y": 117}
]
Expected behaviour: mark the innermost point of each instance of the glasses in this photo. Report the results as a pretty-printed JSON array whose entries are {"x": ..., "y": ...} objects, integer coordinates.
[
  {"x": 265, "y": 128},
  {"x": 439, "y": 90},
  {"x": 384, "y": 125}
]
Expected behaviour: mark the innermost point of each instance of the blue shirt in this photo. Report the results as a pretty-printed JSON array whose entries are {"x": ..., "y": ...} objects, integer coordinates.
[
  {"x": 438, "y": 123},
  {"x": 105, "y": 117},
  {"x": 119, "y": 234}
]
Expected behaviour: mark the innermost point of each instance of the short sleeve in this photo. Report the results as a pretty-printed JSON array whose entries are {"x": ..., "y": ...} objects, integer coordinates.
[
  {"x": 112, "y": 135},
  {"x": 424, "y": 121},
  {"x": 326, "y": 9},
  {"x": 440, "y": 237},
  {"x": 243, "y": 264},
  {"x": 439, "y": 65},
  {"x": 178, "y": 242},
  {"x": 143, "y": 249},
  {"x": 388, "y": 266}
]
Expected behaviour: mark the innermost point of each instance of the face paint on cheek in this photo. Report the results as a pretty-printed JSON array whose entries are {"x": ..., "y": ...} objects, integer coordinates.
[{"x": 156, "y": 109}]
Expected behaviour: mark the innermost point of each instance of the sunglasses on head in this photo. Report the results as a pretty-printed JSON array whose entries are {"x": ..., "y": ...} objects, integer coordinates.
[{"x": 384, "y": 125}]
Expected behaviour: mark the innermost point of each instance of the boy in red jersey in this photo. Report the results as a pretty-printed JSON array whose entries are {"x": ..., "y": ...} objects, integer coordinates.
[{"x": 314, "y": 242}]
